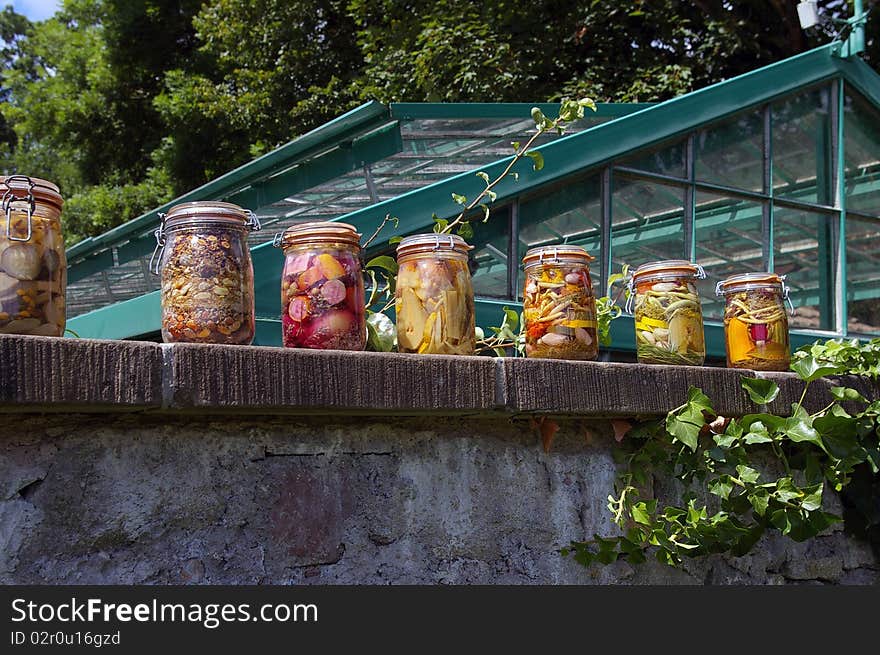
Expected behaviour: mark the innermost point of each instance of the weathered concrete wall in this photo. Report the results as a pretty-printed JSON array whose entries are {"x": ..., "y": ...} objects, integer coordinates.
[{"x": 154, "y": 498}]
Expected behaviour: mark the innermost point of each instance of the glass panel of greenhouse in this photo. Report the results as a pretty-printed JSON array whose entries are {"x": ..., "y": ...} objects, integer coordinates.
[{"x": 777, "y": 170}]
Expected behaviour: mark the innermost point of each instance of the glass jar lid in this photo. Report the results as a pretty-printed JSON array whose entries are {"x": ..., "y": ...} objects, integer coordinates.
[
  {"x": 432, "y": 242},
  {"x": 200, "y": 213},
  {"x": 319, "y": 232},
  {"x": 680, "y": 267},
  {"x": 210, "y": 211},
  {"x": 564, "y": 253},
  {"x": 749, "y": 281},
  {"x": 15, "y": 188}
]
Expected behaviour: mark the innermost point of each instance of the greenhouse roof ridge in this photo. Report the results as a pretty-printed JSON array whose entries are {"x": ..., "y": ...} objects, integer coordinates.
[
  {"x": 359, "y": 122},
  {"x": 651, "y": 125},
  {"x": 339, "y": 128}
]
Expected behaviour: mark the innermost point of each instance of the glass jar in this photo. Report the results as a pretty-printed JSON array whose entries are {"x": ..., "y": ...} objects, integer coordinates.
[
  {"x": 207, "y": 274},
  {"x": 322, "y": 287},
  {"x": 755, "y": 322},
  {"x": 559, "y": 308},
  {"x": 33, "y": 266},
  {"x": 664, "y": 301},
  {"x": 434, "y": 299}
]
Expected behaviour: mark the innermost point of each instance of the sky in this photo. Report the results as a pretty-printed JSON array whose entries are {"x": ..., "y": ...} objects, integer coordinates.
[{"x": 34, "y": 9}]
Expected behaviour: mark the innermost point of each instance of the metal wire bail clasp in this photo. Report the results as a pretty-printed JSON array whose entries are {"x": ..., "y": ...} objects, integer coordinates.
[
  {"x": 554, "y": 258},
  {"x": 437, "y": 242},
  {"x": 718, "y": 290},
  {"x": 701, "y": 272},
  {"x": 9, "y": 197},
  {"x": 253, "y": 223},
  {"x": 156, "y": 258},
  {"x": 785, "y": 294},
  {"x": 630, "y": 294},
  {"x": 277, "y": 239}
]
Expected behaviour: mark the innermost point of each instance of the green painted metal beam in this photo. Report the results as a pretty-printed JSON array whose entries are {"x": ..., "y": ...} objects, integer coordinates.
[
  {"x": 369, "y": 148},
  {"x": 123, "y": 320},
  {"x": 521, "y": 110},
  {"x": 602, "y": 143},
  {"x": 344, "y": 127}
]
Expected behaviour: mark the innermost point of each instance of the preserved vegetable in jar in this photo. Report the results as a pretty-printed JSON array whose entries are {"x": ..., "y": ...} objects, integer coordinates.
[
  {"x": 668, "y": 316},
  {"x": 322, "y": 287},
  {"x": 434, "y": 299},
  {"x": 207, "y": 277},
  {"x": 559, "y": 308},
  {"x": 33, "y": 266},
  {"x": 755, "y": 321}
]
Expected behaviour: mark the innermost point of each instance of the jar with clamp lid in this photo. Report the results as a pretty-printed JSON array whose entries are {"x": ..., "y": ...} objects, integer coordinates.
[
  {"x": 322, "y": 287},
  {"x": 666, "y": 307},
  {"x": 207, "y": 277},
  {"x": 33, "y": 267},
  {"x": 559, "y": 308},
  {"x": 434, "y": 299},
  {"x": 755, "y": 321}
]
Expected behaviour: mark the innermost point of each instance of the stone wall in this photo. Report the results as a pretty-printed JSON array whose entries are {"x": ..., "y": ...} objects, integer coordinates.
[{"x": 134, "y": 463}]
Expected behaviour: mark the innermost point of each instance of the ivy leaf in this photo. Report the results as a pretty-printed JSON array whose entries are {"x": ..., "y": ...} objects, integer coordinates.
[
  {"x": 845, "y": 393},
  {"x": 440, "y": 225},
  {"x": 515, "y": 145},
  {"x": 394, "y": 240},
  {"x": 466, "y": 231},
  {"x": 511, "y": 318},
  {"x": 483, "y": 176},
  {"x": 760, "y": 391},
  {"x": 492, "y": 195},
  {"x": 537, "y": 159},
  {"x": 812, "y": 497},
  {"x": 758, "y": 434},
  {"x": 786, "y": 491},
  {"x": 747, "y": 474},
  {"x": 721, "y": 487},
  {"x": 798, "y": 429},
  {"x": 760, "y": 500},
  {"x": 461, "y": 200},
  {"x": 640, "y": 514},
  {"x": 538, "y": 117},
  {"x": 384, "y": 262},
  {"x": 485, "y": 209},
  {"x": 808, "y": 369}
]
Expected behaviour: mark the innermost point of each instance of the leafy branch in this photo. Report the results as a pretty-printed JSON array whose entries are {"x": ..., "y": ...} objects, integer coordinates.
[
  {"x": 569, "y": 111},
  {"x": 761, "y": 472}
]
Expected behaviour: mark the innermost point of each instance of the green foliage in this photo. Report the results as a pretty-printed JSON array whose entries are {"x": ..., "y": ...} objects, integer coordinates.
[
  {"x": 112, "y": 93},
  {"x": 741, "y": 478}
]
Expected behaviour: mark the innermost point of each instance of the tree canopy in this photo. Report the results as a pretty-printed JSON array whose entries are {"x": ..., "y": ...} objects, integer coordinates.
[{"x": 128, "y": 103}]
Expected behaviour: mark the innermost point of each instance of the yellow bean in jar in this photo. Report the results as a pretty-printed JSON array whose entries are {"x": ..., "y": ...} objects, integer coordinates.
[
  {"x": 559, "y": 308},
  {"x": 434, "y": 298},
  {"x": 755, "y": 322},
  {"x": 667, "y": 312}
]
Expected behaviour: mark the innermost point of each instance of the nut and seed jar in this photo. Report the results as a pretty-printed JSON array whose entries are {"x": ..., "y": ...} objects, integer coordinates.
[
  {"x": 664, "y": 301},
  {"x": 33, "y": 267},
  {"x": 434, "y": 299},
  {"x": 559, "y": 308},
  {"x": 755, "y": 321},
  {"x": 322, "y": 287},
  {"x": 207, "y": 274}
]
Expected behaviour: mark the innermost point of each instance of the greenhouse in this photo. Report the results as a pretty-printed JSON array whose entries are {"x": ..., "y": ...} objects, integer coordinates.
[{"x": 775, "y": 170}]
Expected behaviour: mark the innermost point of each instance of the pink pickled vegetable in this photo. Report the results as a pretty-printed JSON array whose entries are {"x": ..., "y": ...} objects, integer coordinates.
[
  {"x": 299, "y": 264},
  {"x": 759, "y": 332},
  {"x": 333, "y": 291},
  {"x": 298, "y": 308}
]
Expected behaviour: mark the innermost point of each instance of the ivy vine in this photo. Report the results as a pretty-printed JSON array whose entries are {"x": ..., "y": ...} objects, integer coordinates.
[{"x": 743, "y": 477}]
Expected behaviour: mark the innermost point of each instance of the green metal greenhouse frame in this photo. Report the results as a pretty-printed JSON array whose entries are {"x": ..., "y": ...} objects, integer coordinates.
[{"x": 635, "y": 181}]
